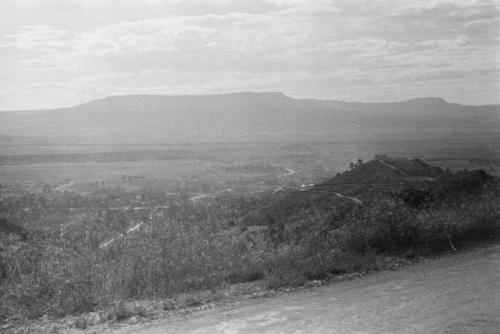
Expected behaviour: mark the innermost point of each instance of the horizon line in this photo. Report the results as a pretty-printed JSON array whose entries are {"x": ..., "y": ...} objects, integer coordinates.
[{"x": 248, "y": 92}]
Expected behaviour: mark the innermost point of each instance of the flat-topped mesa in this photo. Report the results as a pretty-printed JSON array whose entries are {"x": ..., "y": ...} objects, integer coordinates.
[
  {"x": 247, "y": 116},
  {"x": 434, "y": 100},
  {"x": 195, "y": 96}
]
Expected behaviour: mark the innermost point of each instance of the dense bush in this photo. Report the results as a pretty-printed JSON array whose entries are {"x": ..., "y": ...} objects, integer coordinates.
[
  {"x": 447, "y": 188},
  {"x": 389, "y": 227},
  {"x": 49, "y": 275},
  {"x": 52, "y": 273}
]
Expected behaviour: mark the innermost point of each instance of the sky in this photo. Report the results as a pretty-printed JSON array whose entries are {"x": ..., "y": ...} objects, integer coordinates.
[{"x": 56, "y": 53}]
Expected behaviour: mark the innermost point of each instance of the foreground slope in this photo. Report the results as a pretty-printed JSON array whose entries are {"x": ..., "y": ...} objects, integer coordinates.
[
  {"x": 250, "y": 117},
  {"x": 458, "y": 294}
]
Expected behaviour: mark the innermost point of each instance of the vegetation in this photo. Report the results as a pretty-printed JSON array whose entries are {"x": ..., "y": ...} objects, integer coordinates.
[{"x": 112, "y": 252}]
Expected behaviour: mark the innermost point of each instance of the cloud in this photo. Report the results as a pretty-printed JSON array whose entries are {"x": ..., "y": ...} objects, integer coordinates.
[
  {"x": 42, "y": 38},
  {"x": 329, "y": 49}
]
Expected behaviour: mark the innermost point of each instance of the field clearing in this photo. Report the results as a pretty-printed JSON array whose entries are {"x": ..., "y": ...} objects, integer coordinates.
[
  {"x": 222, "y": 162},
  {"x": 92, "y": 171}
]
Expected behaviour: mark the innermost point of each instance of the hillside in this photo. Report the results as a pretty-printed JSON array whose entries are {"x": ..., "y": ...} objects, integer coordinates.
[
  {"x": 386, "y": 169},
  {"x": 411, "y": 182},
  {"x": 86, "y": 252},
  {"x": 250, "y": 117}
]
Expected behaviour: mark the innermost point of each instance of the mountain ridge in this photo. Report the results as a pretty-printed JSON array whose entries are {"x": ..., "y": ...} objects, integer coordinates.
[
  {"x": 247, "y": 116},
  {"x": 437, "y": 99}
]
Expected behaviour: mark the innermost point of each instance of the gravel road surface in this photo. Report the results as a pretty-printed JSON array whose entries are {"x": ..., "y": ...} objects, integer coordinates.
[{"x": 454, "y": 294}]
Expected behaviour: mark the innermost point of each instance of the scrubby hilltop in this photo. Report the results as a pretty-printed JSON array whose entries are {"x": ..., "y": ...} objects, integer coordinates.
[
  {"x": 383, "y": 168},
  {"x": 378, "y": 190}
]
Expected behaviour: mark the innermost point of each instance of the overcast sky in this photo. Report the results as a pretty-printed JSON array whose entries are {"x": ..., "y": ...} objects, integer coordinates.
[{"x": 56, "y": 53}]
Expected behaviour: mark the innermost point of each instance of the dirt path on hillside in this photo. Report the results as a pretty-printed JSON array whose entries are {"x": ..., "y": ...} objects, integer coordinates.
[
  {"x": 457, "y": 294},
  {"x": 289, "y": 172},
  {"x": 339, "y": 195},
  {"x": 65, "y": 186}
]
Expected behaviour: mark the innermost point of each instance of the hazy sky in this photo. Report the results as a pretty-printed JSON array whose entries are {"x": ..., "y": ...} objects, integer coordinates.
[{"x": 62, "y": 52}]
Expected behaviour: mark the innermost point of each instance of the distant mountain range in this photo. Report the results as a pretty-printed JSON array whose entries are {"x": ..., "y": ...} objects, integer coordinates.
[{"x": 248, "y": 117}]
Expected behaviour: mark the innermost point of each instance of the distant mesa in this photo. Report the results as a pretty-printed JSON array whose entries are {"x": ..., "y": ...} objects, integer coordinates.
[
  {"x": 245, "y": 116},
  {"x": 431, "y": 100}
]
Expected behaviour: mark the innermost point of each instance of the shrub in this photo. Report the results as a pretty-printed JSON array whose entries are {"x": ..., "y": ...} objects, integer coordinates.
[
  {"x": 50, "y": 275},
  {"x": 416, "y": 198},
  {"x": 392, "y": 228},
  {"x": 283, "y": 267}
]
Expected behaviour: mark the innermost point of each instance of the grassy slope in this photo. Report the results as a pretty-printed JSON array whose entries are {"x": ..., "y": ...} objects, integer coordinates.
[{"x": 308, "y": 236}]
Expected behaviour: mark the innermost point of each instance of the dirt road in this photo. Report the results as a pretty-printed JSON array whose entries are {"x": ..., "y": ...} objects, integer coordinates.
[{"x": 455, "y": 295}]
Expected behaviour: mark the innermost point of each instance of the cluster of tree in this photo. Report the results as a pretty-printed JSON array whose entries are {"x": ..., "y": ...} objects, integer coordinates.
[{"x": 447, "y": 188}]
